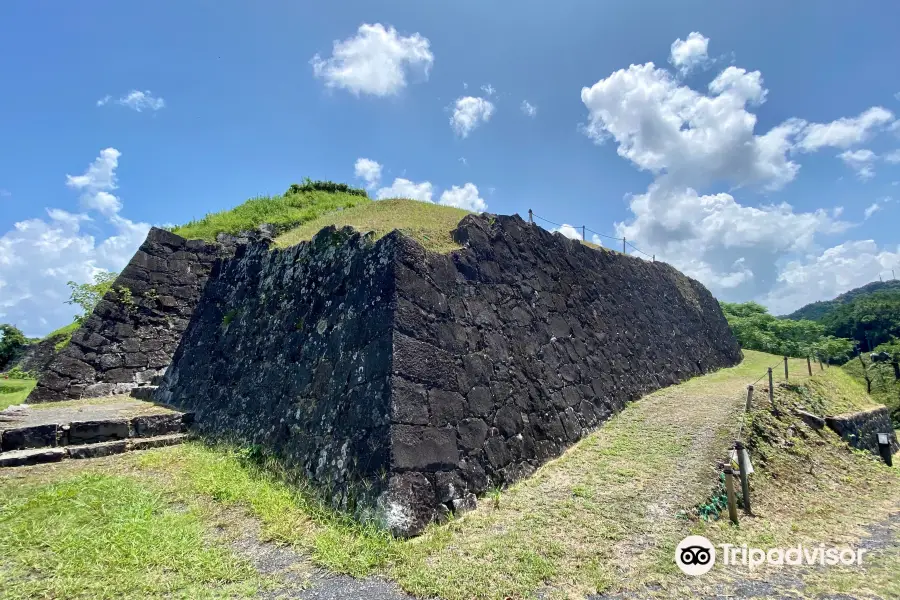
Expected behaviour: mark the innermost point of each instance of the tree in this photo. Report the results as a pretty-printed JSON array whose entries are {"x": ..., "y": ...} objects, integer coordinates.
[
  {"x": 756, "y": 329},
  {"x": 87, "y": 295},
  {"x": 11, "y": 339}
]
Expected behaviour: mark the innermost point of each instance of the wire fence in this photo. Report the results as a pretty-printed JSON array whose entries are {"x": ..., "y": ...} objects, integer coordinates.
[{"x": 585, "y": 230}]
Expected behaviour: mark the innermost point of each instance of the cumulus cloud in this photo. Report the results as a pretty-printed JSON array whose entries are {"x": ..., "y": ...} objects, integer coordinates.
[
  {"x": 488, "y": 90},
  {"x": 464, "y": 197},
  {"x": 693, "y": 141},
  {"x": 404, "y": 188},
  {"x": 689, "y": 54},
  {"x": 892, "y": 157},
  {"x": 829, "y": 273},
  {"x": 568, "y": 230},
  {"x": 367, "y": 170},
  {"x": 38, "y": 256},
  {"x": 528, "y": 109},
  {"x": 661, "y": 125},
  {"x": 376, "y": 61},
  {"x": 860, "y": 161},
  {"x": 872, "y": 209},
  {"x": 136, "y": 100},
  {"x": 96, "y": 183},
  {"x": 468, "y": 113},
  {"x": 844, "y": 132}
]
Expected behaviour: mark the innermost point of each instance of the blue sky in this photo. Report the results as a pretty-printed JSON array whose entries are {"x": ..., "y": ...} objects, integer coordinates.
[{"x": 692, "y": 158}]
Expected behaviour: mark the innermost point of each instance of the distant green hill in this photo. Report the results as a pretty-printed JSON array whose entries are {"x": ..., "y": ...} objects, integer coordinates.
[
  {"x": 817, "y": 310},
  {"x": 870, "y": 314}
]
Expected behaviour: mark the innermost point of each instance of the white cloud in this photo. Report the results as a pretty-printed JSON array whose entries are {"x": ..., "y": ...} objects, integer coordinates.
[
  {"x": 568, "y": 230},
  {"x": 468, "y": 113},
  {"x": 689, "y": 54},
  {"x": 693, "y": 140},
  {"x": 488, "y": 89},
  {"x": 136, "y": 100},
  {"x": 892, "y": 157},
  {"x": 96, "y": 183},
  {"x": 376, "y": 61},
  {"x": 832, "y": 272},
  {"x": 663, "y": 126},
  {"x": 528, "y": 109},
  {"x": 595, "y": 239},
  {"x": 464, "y": 197},
  {"x": 368, "y": 170},
  {"x": 404, "y": 188},
  {"x": 872, "y": 209},
  {"x": 860, "y": 161},
  {"x": 844, "y": 132},
  {"x": 463, "y": 160},
  {"x": 38, "y": 256}
]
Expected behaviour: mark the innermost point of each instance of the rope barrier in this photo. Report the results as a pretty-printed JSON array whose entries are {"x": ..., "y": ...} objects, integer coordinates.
[{"x": 585, "y": 228}]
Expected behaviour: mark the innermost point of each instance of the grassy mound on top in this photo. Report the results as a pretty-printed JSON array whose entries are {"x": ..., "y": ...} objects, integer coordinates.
[
  {"x": 298, "y": 205},
  {"x": 429, "y": 224}
]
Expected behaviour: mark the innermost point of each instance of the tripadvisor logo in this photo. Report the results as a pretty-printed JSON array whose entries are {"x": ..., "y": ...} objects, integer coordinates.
[{"x": 696, "y": 555}]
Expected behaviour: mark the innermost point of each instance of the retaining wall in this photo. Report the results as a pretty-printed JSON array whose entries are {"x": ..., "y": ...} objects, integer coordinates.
[
  {"x": 405, "y": 383},
  {"x": 129, "y": 338},
  {"x": 861, "y": 429}
]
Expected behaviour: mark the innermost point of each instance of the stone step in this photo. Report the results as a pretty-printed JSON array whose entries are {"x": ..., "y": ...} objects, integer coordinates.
[
  {"x": 75, "y": 433},
  {"x": 144, "y": 392},
  {"x": 34, "y": 456}
]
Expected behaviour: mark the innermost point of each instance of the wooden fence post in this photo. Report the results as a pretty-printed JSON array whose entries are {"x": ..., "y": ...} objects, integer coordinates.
[
  {"x": 624, "y": 249},
  {"x": 745, "y": 481},
  {"x": 786, "y": 368},
  {"x": 729, "y": 492},
  {"x": 749, "y": 397},
  {"x": 772, "y": 390},
  {"x": 583, "y": 238},
  {"x": 530, "y": 216},
  {"x": 809, "y": 366}
]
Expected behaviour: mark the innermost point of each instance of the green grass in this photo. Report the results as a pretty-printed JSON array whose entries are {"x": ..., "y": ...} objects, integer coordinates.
[
  {"x": 605, "y": 516},
  {"x": 14, "y": 391},
  {"x": 810, "y": 488},
  {"x": 429, "y": 224},
  {"x": 284, "y": 212},
  {"x": 104, "y": 536},
  {"x": 64, "y": 334}
]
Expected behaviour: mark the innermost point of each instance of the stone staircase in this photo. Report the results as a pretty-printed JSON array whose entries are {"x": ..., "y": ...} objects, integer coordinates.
[{"x": 30, "y": 435}]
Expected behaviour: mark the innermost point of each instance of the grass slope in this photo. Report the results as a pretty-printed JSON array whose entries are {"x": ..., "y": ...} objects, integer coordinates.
[
  {"x": 429, "y": 224},
  {"x": 14, "y": 391},
  {"x": 284, "y": 212}
]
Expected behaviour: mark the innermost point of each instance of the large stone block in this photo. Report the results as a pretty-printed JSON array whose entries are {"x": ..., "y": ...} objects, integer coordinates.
[{"x": 410, "y": 382}]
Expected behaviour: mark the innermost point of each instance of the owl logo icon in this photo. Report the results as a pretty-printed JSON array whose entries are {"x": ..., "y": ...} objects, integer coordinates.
[{"x": 695, "y": 555}]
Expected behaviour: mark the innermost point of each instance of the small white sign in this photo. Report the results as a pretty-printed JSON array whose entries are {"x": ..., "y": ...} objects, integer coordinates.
[
  {"x": 736, "y": 465},
  {"x": 884, "y": 439}
]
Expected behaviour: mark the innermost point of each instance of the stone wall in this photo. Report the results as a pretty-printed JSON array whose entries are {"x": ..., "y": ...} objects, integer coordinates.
[
  {"x": 291, "y": 350},
  {"x": 34, "y": 357},
  {"x": 860, "y": 429},
  {"x": 406, "y": 383},
  {"x": 131, "y": 335}
]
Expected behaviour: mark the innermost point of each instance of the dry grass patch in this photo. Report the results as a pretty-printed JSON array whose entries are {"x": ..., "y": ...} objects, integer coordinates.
[{"x": 429, "y": 224}]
